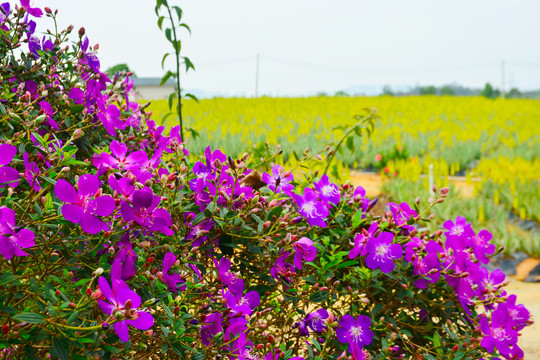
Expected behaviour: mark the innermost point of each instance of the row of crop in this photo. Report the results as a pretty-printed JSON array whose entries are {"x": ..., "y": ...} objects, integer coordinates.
[{"x": 459, "y": 130}]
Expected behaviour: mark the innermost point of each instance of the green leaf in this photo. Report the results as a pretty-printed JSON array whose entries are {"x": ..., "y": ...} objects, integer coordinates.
[
  {"x": 6, "y": 278},
  {"x": 378, "y": 307},
  {"x": 177, "y": 348},
  {"x": 168, "y": 311},
  {"x": 166, "y": 77},
  {"x": 60, "y": 349},
  {"x": 189, "y": 64},
  {"x": 178, "y": 12},
  {"x": 319, "y": 296},
  {"x": 357, "y": 219},
  {"x": 75, "y": 109},
  {"x": 191, "y": 96},
  {"x": 429, "y": 357},
  {"x": 198, "y": 356},
  {"x": 168, "y": 34},
  {"x": 3, "y": 110},
  {"x": 160, "y": 22},
  {"x": 31, "y": 318},
  {"x": 350, "y": 144},
  {"x": 187, "y": 27},
  {"x": 163, "y": 60},
  {"x": 171, "y": 99},
  {"x": 276, "y": 211}
]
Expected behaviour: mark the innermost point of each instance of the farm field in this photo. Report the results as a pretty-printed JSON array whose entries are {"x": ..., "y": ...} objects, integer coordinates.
[{"x": 493, "y": 144}]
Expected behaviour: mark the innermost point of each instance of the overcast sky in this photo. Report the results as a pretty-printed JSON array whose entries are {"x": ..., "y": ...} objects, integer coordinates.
[{"x": 311, "y": 46}]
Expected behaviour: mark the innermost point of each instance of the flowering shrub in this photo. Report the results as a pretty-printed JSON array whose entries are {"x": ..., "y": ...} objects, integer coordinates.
[{"x": 115, "y": 242}]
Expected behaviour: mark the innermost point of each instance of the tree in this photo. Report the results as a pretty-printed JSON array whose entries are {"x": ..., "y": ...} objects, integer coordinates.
[
  {"x": 113, "y": 70},
  {"x": 514, "y": 93},
  {"x": 490, "y": 92},
  {"x": 387, "y": 90},
  {"x": 447, "y": 90},
  {"x": 428, "y": 90}
]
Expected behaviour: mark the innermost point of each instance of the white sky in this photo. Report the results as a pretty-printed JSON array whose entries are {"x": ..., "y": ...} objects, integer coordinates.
[{"x": 311, "y": 46}]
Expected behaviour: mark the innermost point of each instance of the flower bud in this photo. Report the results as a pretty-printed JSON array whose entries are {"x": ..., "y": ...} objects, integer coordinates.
[
  {"x": 47, "y": 10},
  {"x": 77, "y": 134},
  {"x": 105, "y": 326},
  {"x": 82, "y": 31}
]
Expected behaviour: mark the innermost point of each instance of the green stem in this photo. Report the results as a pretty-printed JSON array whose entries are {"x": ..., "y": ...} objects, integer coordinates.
[
  {"x": 341, "y": 142},
  {"x": 178, "y": 92}
]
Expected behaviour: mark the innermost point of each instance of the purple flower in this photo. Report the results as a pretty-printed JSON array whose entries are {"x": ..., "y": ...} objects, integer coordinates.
[
  {"x": 48, "y": 110},
  {"x": 242, "y": 304},
  {"x": 311, "y": 208},
  {"x": 429, "y": 266},
  {"x": 328, "y": 192},
  {"x": 34, "y": 45},
  {"x": 9, "y": 177},
  {"x": 146, "y": 213},
  {"x": 499, "y": 333},
  {"x": 125, "y": 260},
  {"x": 355, "y": 333},
  {"x": 80, "y": 207},
  {"x": 110, "y": 118},
  {"x": 361, "y": 240},
  {"x": 279, "y": 181},
  {"x": 401, "y": 214},
  {"x": 34, "y": 11},
  {"x": 31, "y": 172},
  {"x": 282, "y": 269},
  {"x": 457, "y": 233},
  {"x": 481, "y": 245},
  {"x": 381, "y": 252},
  {"x": 210, "y": 327},
  {"x": 4, "y": 13},
  {"x": 518, "y": 315},
  {"x": 123, "y": 186},
  {"x": 172, "y": 280},
  {"x": 77, "y": 95},
  {"x": 227, "y": 277},
  {"x": 126, "y": 301},
  {"x": 118, "y": 159},
  {"x": 315, "y": 320},
  {"x": 304, "y": 251},
  {"x": 11, "y": 238}
]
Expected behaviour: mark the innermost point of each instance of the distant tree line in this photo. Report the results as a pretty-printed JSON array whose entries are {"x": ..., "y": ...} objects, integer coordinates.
[{"x": 458, "y": 90}]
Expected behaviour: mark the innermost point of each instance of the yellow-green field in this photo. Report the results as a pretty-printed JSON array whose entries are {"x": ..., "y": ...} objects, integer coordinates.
[{"x": 496, "y": 141}]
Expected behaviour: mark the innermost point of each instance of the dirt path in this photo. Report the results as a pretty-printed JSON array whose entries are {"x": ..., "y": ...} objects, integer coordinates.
[
  {"x": 373, "y": 182},
  {"x": 528, "y": 294}
]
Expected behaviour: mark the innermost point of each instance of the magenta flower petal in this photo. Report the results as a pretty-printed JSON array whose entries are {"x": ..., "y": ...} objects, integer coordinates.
[
  {"x": 91, "y": 224},
  {"x": 7, "y": 153},
  {"x": 7, "y": 249},
  {"x": 104, "y": 205},
  {"x": 144, "y": 322},
  {"x": 121, "y": 329},
  {"x": 105, "y": 288},
  {"x": 24, "y": 238},
  {"x": 88, "y": 185},
  {"x": 66, "y": 192},
  {"x": 9, "y": 177},
  {"x": 125, "y": 294},
  {"x": 72, "y": 213},
  {"x": 105, "y": 306}
]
